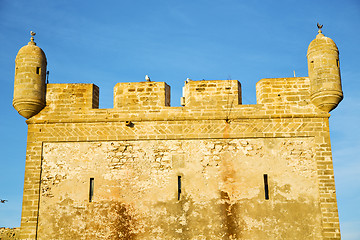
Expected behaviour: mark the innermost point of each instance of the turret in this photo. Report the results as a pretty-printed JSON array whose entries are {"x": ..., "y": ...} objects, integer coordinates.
[
  {"x": 30, "y": 76},
  {"x": 324, "y": 72}
]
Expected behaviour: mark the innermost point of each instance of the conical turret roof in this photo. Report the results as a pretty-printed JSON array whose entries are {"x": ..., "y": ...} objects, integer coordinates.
[
  {"x": 31, "y": 49},
  {"x": 321, "y": 43}
]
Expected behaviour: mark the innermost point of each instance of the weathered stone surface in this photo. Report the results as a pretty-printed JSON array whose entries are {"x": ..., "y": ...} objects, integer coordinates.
[{"x": 222, "y": 189}]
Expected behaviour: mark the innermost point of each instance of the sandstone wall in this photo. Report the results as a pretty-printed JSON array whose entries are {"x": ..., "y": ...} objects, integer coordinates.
[{"x": 220, "y": 151}]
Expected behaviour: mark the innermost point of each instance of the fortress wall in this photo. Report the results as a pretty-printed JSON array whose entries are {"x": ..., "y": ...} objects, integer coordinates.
[
  {"x": 212, "y": 169},
  {"x": 67, "y": 141},
  {"x": 74, "y": 140}
]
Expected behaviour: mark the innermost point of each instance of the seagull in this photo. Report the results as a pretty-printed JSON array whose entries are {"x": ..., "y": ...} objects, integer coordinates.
[
  {"x": 188, "y": 80},
  {"x": 3, "y": 200},
  {"x": 147, "y": 78}
]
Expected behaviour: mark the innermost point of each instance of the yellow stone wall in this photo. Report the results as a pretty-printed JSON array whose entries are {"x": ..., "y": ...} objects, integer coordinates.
[
  {"x": 219, "y": 147},
  {"x": 222, "y": 193}
]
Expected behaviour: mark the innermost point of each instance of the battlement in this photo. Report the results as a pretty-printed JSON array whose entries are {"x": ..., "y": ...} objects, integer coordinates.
[
  {"x": 203, "y": 94},
  {"x": 204, "y": 99}
]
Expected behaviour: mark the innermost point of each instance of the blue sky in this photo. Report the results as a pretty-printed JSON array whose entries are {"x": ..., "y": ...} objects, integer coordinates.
[{"x": 122, "y": 41}]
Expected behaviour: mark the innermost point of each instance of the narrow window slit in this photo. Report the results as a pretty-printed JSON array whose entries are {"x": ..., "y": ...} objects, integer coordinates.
[
  {"x": 38, "y": 70},
  {"x": 266, "y": 186},
  {"x": 91, "y": 190},
  {"x": 179, "y": 187}
]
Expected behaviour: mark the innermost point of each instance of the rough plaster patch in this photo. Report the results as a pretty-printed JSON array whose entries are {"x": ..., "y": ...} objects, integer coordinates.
[{"x": 136, "y": 184}]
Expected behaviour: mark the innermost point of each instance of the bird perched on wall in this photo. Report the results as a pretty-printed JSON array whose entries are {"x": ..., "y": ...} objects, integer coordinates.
[
  {"x": 188, "y": 80},
  {"x": 147, "y": 78},
  {"x": 3, "y": 200}
]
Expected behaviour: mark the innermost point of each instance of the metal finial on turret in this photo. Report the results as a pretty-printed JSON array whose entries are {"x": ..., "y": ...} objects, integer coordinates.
[
  {"x": 32, "y": 38},
  {"x": 319, "y": 27}
]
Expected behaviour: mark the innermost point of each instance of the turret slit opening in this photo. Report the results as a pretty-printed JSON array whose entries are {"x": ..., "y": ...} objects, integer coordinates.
[
  {"x": 266, "y": 186},
  {"x": 38, "y": 70},
  {"x": 91, "y": 190},
  {"x": 179, "y": 187}
]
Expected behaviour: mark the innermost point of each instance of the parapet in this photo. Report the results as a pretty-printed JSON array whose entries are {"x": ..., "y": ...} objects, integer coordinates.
[{"x": 274, "y": 96}]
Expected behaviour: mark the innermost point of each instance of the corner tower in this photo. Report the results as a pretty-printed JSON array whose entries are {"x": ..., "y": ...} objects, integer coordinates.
[
  {"x": 324, "y": 72},
  {"x": 30, "y": 75}
]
